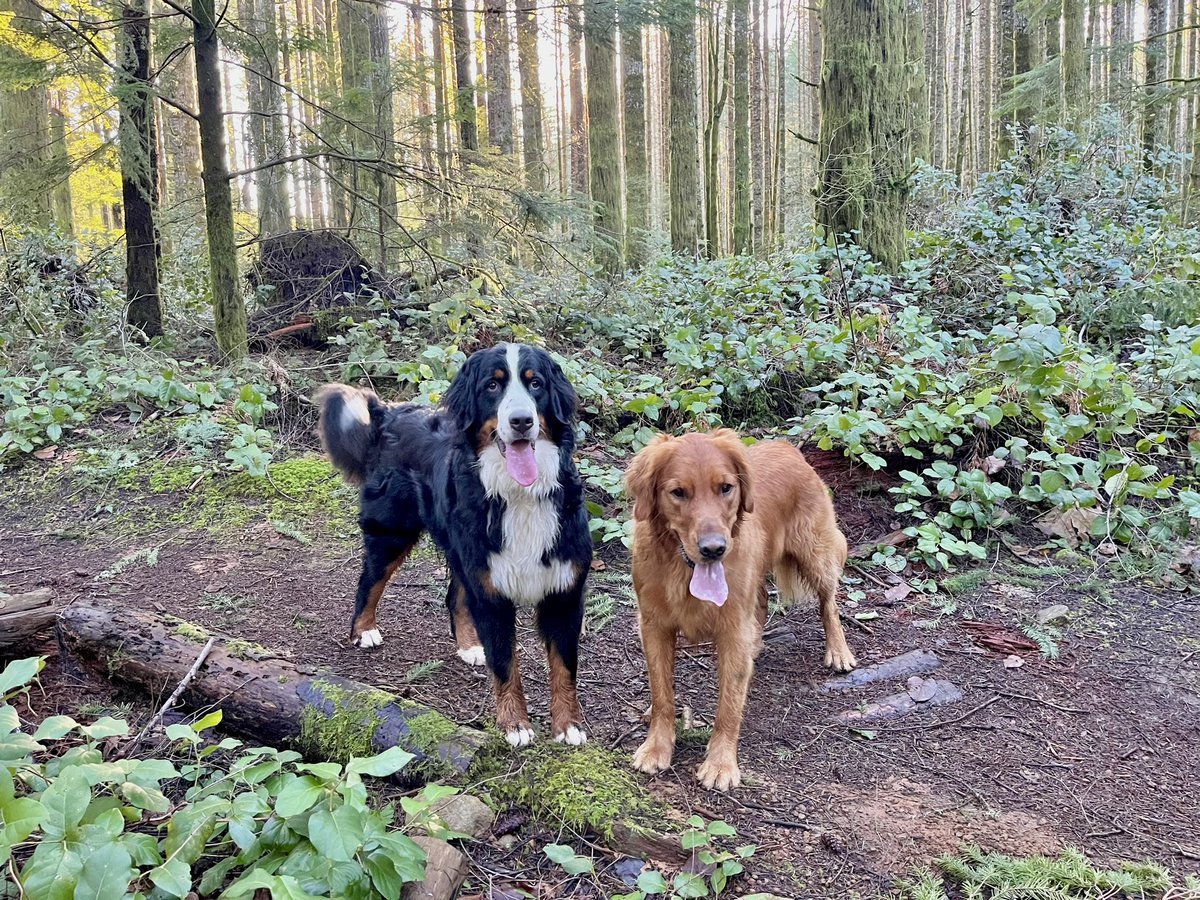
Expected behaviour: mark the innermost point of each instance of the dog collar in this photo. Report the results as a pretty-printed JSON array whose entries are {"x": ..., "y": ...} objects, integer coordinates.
[{"x": 687, "y": 559}]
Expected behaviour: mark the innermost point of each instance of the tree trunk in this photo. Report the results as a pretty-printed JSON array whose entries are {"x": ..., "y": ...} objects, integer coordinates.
[
  {"x": 604, "y": 133},
  {"x": 758, "y": 141},
  {"x": 441, "y": 104},
  {"x": 464, "y": 86},
  {"x": 25, "y": 112},
  {"x": 579, "y": 123},
  {"x": 719, "y": 52},
  {"x": 684, "y": 115},
  {"x": 778, "y": 162},
  {"x": 63, "y": 209},
  {"x": 229, "y": 312},
  {"x": 532, "y": 144},
  {"x": 139, "y": 171},
  {"x": 266, "y": 122},
  {"x": 637, "y": 172},
  {"x": 864, "y": 150},
  {"x": 499, "y": 75},
  {"x": 918, "y": 93},
  {"x": 742, "y": 239},
  {"x": 262, "y": 696},
  {"x": 1074, "y": 65},
  {"x": 1152, "y": 117}
]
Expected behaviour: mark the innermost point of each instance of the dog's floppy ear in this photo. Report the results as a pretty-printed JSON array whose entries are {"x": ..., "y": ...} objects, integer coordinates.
[
  {"x": 732, "y": 446},
  {"x": 563, "y": 399},
  {"x": 642, "y": 476},
  {"x": 462, "y": 397}
]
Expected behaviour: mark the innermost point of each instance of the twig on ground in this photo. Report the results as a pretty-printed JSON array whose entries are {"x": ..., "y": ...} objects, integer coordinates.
[
  {"x": 179, "y": 689},
  {"x": 1066, "y": 709},
  {"x": 863, "y": 625}
]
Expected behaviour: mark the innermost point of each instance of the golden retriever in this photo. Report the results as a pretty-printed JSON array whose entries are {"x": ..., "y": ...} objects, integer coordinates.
[{"x": 711, "y": 519}]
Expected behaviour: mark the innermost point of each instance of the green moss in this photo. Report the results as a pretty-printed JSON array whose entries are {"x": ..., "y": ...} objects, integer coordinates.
[
  {"x": 429, "y": 731},
  {"x": 964, "y": 582},
  {"x": 587, "y": 788},
  {"x": 246, "y": 649},
  {"x": 348, "y": 730},
  {"x": 190, "y": 632}
]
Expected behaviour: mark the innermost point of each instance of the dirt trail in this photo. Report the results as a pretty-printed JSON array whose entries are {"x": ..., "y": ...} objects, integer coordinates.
[{"x": 1098, "y": 749}]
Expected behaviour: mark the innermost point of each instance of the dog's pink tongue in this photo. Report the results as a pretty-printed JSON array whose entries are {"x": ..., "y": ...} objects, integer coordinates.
[
  {"x": 708, "y": 583},
  {"x": 522, "y": 463}
]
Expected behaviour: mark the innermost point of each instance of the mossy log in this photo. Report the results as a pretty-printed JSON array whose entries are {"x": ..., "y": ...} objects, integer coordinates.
[{"x": 262, "y": 696}]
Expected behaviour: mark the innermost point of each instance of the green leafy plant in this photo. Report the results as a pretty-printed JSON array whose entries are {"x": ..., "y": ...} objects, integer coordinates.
[{"x": 220, "y": 818}]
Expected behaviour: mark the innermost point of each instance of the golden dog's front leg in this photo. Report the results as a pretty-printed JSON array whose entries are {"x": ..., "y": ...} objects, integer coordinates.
[
  {"x": 736, "y": 649},
  {"x": 658, "y": 643}
]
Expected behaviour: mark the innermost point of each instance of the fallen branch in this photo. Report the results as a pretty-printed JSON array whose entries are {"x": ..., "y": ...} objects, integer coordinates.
[
  {"x": 263, "y": 697},
  {"x": 897, "y": 705},
  {"x": 186, "y": 680},
  {"x": 23, "y": 615}
]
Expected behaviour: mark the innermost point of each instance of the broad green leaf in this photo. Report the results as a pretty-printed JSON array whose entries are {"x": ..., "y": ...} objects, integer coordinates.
[
  {"x": 65, "y": 802},
  {"x": 174, "y": 877},
  {"x": 54, "y": 728},
  {"x": 190, "y": 828},
  {"x": 19, "y": 673},
  {"x": 22, "y": 816},
  {"x": 212, "y": 720},
  {"x": 389, "y": 762},
  {"x": 106, "y": 875},
  {"x": 325, "y": 771},
  {"x": 214, "y": 877},
  {"x": 282, "y": 887},
  {"x": 298, "y": 796},
  {"x": 105, "y": 727},
  {"x": 689, "y": 884},
  {"x": 721, "y": 829},
  {"x": 693, "y": 838},
  {"x": 572, "y": 863},
  {"x": 337, "y": 835},
  {"x": 52, "y": 872},
  {"x": 105, "y": 826},
  {"x": 145, "y": 798},
  {"x": 10, "y": 721},
  {"x": 652, "y": 882},
  {"x": 143, "y": 848}
]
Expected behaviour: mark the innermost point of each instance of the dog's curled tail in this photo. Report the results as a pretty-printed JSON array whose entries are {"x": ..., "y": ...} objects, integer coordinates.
[{"x": 347, "y": 427}]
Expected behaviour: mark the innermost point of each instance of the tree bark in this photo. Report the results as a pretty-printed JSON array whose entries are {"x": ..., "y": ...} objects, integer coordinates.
[
  {"x": 579, "y": 122},
  {"x": 532, "y": 144},
  {"x": 758, "y": 140},
  {"x": 864, "y": 148},
  {"x": 637, "y": 172},
  {"x": 22, "y": 616},
  {"x": 499, "y": 74},
  {"x": 229, "y": 312},
  {"x": 1074, "y": 65},
  {"x": 464, "y": 86},
  {"x": 742, "y": 236},
  {"x": 262, "y": 696},
  {"x": 25, "y": 114},
  {"x": 604, "y": 133},
  {"x": 139, "y": 171},
  {"x": 719, "y": 54},
  {"x": 685, "y": 155},
  {"x": 62, "y": 205},
  {"x": 266, "y": 123},
  {"x": 1152, "y": 117}
]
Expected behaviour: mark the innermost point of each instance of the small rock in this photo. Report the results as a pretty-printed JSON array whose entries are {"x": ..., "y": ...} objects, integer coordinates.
[
  {"x": 464, "y": 814},
  {"x": 1053, "y": 613},
  {"x": 445, "y": 871},
  {"x": 1012, "y": 661},
  {"x": 506, "y": 841},
  {"x": 628, "y": 869}
]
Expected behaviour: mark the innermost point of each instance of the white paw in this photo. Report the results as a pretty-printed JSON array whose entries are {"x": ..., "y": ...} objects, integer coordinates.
[
  {"x": 520, "y": 736},
  {"x": 573, "y": 736},
  {"x": 472, "y": 656},
  {"x": 369, "y": 639}
]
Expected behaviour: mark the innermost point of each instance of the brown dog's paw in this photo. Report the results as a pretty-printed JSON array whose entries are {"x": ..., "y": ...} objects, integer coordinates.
[
  {"x": 719, "y": 774},
  {"x": 653, "y": 757},
  {"x": 840, "y": 659}
]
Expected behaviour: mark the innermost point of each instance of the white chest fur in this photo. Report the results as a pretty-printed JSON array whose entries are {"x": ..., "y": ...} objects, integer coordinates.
[{"x": 530, "y": 527}]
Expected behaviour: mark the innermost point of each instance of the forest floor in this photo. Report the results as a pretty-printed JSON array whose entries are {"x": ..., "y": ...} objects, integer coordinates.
[{"x": 1097, "y": 749}]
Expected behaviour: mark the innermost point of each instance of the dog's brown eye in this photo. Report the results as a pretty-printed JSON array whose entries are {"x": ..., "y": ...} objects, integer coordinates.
[
  {"x": 726, "y": 488},
  {"x": 535, "y": 384},
  {"x": 493, "y": 386},
  {"x": 679, "y": 493}
]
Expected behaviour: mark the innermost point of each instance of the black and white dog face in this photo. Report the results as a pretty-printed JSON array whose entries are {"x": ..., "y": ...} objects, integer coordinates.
[{"x": 517, "y": 407}]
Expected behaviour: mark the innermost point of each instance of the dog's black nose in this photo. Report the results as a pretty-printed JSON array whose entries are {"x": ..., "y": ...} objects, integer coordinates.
[
  {"x": 712, "y": 548},
  {"x": 520, "y": 422}
]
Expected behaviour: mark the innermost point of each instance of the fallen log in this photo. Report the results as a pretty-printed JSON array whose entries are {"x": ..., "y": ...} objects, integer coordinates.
[
  {"x": 267, "y": 698},
  {"x": 914, "y": 662},
  {"x": 23, "y": 615},
  {"x": 264, "y": 697},
  {"x": 922, "y": 693}
]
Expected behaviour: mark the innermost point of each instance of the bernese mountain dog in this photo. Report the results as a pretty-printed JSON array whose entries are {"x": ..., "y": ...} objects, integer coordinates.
[{"x": 490, "y": 476}]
